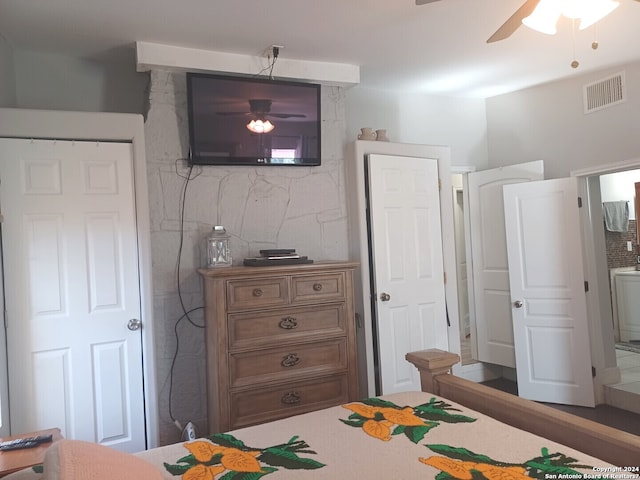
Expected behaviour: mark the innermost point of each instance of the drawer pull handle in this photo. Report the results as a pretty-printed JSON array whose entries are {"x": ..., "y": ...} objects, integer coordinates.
[
  {"x": 317, "y": 287},
  {"x": 257, "y": 292},
  {"x": 288, "y": 323},
  {"x": 290, "y": 360},
  {"x": 291, "y": 398}
]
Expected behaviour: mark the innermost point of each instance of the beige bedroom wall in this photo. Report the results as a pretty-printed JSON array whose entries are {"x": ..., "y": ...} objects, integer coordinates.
[
  {"x": 548, "y": 122},
  {"x": 414, "y": 117},
  {"x": 7, "y": 75},
  {"x": 61, "y": 82}
]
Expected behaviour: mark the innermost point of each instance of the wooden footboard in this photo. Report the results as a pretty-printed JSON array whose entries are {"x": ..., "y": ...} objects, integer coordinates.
[{"x": 601, "y": 441}]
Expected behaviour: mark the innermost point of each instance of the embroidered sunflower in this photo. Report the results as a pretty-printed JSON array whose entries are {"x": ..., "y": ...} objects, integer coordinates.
[
  {"x": 382, "y": 419},
  {"x": 462, "y": 464},
  {"x": 465, "y": 470},
  {"x": 223, "y": 454},
  {"x": 378, "y": 421},
  {"x": 230, "y": 459}
]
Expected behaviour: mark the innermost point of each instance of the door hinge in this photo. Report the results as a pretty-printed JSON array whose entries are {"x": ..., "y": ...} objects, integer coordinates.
[
  {"x": 586, "y": 286},
  {"x": 579, "y": 202},
  {"x": 593, "y": 371},
  {"x": 439, "y": 184},
  {"x": 444, "y": 275}
]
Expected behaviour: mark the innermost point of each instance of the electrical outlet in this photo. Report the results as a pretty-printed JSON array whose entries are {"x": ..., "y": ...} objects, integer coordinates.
[{"x": 189, "y": 432}]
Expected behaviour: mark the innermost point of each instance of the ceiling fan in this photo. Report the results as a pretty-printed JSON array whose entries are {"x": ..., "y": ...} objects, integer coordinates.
[
  {"x": 261, "y": 108},
  {"x": 512, "y": 23}
]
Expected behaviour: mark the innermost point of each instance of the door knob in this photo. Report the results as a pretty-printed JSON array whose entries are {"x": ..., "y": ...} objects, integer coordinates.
[
  {"x": 385, "y": 297},
  {"x": 134, "y": 324},
  {"x": 518, "y": 304}
]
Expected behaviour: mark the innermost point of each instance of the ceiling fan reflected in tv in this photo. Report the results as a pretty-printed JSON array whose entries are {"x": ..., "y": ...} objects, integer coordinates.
[{"x": 253, "y": 121}]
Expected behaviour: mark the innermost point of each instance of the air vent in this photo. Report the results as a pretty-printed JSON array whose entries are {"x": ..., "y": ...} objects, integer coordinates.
[{"x": 604, "y": 93}]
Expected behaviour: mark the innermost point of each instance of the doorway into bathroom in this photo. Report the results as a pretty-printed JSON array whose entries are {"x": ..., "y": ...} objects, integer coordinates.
[
  {"x": 610, "y": 183},
  {"x": 621, "y": 237},
  {"x": 620, "y": 231}
]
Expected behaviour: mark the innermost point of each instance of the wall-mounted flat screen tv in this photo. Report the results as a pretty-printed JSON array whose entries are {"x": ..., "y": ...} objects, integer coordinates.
[{"x": 252, "y": 121}]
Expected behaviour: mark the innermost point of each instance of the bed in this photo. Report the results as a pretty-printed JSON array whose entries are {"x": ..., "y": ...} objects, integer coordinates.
[{"x": 454, "y": 428}]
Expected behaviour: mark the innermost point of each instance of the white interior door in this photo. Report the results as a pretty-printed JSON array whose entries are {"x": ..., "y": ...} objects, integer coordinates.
[
  {"x": 550, "y": 325},
  {"x": 72, "y": 285},
  {"x": 493, "y": 326},
  {"x": 408, "y": 264}
]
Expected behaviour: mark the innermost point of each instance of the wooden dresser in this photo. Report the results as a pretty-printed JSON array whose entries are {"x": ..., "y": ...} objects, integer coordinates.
[{"x": 280, "y": 341}]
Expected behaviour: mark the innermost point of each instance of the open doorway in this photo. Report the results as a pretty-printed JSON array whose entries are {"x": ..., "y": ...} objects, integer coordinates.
[
  {"x": 620, "y": 229},
  {"x": 601, "y": 184},
  {"x": 462, "y": 269},
  {"x": 599, "y": 302}
]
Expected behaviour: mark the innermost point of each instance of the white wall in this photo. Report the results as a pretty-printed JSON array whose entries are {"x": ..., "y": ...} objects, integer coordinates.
[
  {"x": 459, "y": 123},
  {"x": 59, "y": 82},
  {"x": 7, "y": 75},
  {"x": 547, "y": 122}
]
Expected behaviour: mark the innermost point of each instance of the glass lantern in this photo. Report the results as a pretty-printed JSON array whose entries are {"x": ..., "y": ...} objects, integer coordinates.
[{"x": 218, "y": 252}]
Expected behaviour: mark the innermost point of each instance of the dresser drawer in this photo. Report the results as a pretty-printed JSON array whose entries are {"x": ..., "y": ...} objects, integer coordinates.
[
  {"x": 257, "y": 292},
  {"x": 287, "y": 361},
  {"x": 249, "y": 330},
  {"x": 265, "y": 404},
  {"x": 313, "y": 288}
]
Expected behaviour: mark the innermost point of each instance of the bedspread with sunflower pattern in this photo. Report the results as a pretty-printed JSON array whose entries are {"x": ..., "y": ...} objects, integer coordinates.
[
  {"x": 411, "y": 435},
  {"x": 402, "y": 436}
]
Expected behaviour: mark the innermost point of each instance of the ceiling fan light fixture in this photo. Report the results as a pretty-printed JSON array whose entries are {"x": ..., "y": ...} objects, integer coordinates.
[
  {"x": 260, "y": 126},
  {"x": 596, "y": 10},
  {"x": 545, "y": 17}
]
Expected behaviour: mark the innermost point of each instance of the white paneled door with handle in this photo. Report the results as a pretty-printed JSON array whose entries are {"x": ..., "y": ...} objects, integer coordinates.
[
  {"x": 492, "y": 318},
  {"x": 71, "y": 281},
  {"x": 408, "y": 264},
  {"x": 550, "y": 324}
]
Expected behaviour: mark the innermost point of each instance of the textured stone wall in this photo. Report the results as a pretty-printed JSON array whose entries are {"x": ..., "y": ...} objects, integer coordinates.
[{"x": 261, "y": 207}]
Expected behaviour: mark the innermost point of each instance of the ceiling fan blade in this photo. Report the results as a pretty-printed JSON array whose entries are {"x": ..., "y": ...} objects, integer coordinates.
[
  {"x": 229, "y": 114},
  {"x": 514, "y": 21},
  {"x": 424, "y": 2},
  {"x": 274, "y": 115},
  {"x": 286, "y": 115}
]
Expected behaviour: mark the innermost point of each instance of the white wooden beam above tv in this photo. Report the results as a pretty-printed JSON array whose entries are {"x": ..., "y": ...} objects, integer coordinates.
[{"x": 151, "y": 56}]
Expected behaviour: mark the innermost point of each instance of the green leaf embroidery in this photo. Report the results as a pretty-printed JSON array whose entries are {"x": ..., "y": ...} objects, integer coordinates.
[
  {"x": 439, "y": 411},
  {"x": 176, "y": 470},
  {"x": 539, "y": 467},
  {"x": 378, "y": 402},
  {"x": 289, "y": 460},
  {"x": 416, "y": 434},
  {"x": 226, "y": 440},
  {"x": 247, "y": 475},
  {"x": 463, "y": 454},
  {"x": 285, "y": 455},
  {"x": 354, "y": 423}
]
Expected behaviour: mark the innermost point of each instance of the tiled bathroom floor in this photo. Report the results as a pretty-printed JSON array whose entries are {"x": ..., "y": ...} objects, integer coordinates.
[{"x": 626, "y": 394}]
